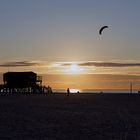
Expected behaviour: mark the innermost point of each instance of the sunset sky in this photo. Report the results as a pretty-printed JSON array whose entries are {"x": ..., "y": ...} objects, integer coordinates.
[{"x": 60, "y": 37}]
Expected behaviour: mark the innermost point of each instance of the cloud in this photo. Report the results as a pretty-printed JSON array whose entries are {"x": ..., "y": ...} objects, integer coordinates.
[
  {"x": 109, "y": 64},
  {"x": 19, "y": 64},
  {"x": 104, "y": 64}
]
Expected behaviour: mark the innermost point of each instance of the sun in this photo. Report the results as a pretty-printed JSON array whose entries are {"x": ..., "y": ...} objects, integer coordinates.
[{"x": 73, "y": 68}]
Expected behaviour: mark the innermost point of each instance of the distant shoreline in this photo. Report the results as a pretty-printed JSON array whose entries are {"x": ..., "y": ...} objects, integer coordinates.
[
  {"x": 64, "y": 93},
  {"x": 98, "y": 91}
]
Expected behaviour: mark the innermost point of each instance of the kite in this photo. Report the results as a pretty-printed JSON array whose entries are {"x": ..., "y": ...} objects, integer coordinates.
[{"x": 102, "y": 28}]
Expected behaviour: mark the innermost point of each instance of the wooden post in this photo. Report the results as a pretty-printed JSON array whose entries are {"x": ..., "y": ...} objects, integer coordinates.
[{"x": 131, "y": 87}]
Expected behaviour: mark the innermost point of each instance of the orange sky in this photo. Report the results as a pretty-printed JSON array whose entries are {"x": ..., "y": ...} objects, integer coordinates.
[
  {"x": 82, "y": 74},
  {"x": 91, "y": 81}
]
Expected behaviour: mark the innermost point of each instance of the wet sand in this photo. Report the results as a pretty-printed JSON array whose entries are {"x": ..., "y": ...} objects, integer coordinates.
[{"x": 62, "y": 117}]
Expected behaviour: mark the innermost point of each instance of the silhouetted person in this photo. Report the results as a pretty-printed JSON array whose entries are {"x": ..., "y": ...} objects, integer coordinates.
[
  {"x": 68, "y": 91},
  {"x": 49, "y": 89}
]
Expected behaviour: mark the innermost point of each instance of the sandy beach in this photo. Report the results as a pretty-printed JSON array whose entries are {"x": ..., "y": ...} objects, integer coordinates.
[{"x": 62, "y": 117}]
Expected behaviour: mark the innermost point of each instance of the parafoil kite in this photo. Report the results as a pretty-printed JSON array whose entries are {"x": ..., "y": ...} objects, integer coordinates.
[{"x": 102, "y": 28}]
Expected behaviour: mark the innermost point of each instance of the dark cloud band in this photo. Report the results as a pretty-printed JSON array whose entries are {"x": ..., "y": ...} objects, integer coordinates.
[
  {"x": 110, "y": 64},
  {"x": 19, "y": 64},
  {"x": 105, "y": 64}
]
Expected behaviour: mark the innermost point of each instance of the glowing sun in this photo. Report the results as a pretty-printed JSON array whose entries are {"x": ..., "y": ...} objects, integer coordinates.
[{"x": 73, "y": 68}]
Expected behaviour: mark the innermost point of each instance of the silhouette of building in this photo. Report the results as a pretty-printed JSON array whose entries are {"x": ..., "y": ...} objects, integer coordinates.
[{"x": 22, "y": 82}]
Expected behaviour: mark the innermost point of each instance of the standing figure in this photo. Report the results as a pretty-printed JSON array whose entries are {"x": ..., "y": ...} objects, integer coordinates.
[
  {"x": 68, "y": 91},
  {"x": 49, "y": 89}
]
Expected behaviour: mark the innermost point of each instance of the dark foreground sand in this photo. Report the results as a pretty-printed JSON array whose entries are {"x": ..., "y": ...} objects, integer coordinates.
[{"x": 74, "y": 117}]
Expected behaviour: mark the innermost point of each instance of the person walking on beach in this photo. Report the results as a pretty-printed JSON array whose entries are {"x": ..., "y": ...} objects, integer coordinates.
[{"x": 68, "y": 91}]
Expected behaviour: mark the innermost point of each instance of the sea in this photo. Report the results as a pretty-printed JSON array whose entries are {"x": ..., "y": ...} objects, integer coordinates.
[{"x": 125, "y": 91}]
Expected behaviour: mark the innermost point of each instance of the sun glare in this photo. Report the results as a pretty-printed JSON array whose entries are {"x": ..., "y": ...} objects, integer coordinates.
[
  {"x": 74, "y": 90},
  {"x": 73, "y": 68}
]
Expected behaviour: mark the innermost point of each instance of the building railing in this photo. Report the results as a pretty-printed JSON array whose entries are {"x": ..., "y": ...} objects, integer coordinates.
[{"x": 39, "y": 79}]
